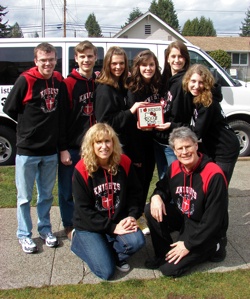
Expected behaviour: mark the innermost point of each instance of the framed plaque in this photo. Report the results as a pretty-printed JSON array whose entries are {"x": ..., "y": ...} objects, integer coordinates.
[{"x": 150, "y": 115}]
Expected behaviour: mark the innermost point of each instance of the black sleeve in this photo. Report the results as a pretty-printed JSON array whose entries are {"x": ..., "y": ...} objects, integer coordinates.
[
  {"x": 214, "y": 212},
  {"x": 110, "y": 108},
  {"x": 13, "y": 105},
  {"x": 64, "y": 109}
]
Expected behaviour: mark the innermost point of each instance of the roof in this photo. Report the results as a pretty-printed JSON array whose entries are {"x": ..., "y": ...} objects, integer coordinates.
[
  {"x": 147, "y": 14},
  {"x": 228, "y": 44}
]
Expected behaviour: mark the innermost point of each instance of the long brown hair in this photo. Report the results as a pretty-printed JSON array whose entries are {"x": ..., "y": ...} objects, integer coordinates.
[
  {"x": 137, "y": 83},
  {"x": 184, "y": 52},
  {"x": 105, "y": 76}
]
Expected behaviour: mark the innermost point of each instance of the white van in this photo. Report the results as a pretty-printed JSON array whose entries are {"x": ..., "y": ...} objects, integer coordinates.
[{"x": 16, "y": 56}]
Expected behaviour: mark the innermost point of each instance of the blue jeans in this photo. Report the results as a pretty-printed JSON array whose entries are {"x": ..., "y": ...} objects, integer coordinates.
[
  {"x": 101, "y": 251},
  {"x": 29, "y": 169},
  {"x": 65, "y": 197},
  {"x": 164, "y": 157}
]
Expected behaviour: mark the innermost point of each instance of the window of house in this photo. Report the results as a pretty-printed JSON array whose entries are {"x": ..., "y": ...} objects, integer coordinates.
[
  {"x": 147, "y": 29},
  {"x": 239, "y": 59}
]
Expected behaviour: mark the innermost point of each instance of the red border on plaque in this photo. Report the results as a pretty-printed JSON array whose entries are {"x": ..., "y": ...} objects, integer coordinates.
[{"x": 150, "y": 115}]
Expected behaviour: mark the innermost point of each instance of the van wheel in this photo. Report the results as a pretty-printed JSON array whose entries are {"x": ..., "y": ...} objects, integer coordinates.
[
  {"x": 242, "y": 130},
  {"x": 7, "y": 146}
]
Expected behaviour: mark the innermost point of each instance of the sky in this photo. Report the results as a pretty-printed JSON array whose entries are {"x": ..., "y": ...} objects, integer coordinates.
[{"x": 227, "y": 15}]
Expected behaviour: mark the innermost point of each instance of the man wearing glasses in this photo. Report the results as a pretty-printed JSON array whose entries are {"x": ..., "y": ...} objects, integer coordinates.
[
  {"x": 191, "y": 199},
  {"x": 33, "y": 103}
]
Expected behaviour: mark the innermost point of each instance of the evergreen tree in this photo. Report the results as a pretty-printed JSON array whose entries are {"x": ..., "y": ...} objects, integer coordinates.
[
  {"x": 4, "y": 28},
  {"x": 16, "y": 31},
  {"x": 199, "y": 27},
  {"x": 92, "y": 26},
  {"x": 136, "y": 13},
  {"x": 164, "y": 9},
  {"x": 245, "y": 29}
]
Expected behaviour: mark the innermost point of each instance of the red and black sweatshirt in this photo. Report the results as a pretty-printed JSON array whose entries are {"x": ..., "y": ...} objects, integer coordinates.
[
  {"x": 102, "y": 200},
  {"x": 33, "y": 103},
  {"x": 201, "y": 197},
  {"x": 77, "y": 113}
]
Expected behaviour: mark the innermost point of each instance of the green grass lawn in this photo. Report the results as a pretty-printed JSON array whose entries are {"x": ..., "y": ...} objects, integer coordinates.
[{"x": 228, "y": 285}]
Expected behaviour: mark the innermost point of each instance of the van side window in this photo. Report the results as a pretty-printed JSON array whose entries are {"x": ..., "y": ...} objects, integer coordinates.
[
  {"x": 197, "y": 58},
  {"x": 14, "y": 61},
  {"x": 131, "y": 53},
  {"x": 98, "y": 64}
]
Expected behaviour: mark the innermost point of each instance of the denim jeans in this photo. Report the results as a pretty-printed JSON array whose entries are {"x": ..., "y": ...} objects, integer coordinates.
[
  {"x": 100, "y": 251},
  {"x": 65, "y": 197},
  {"x": 29, "y": 169},
  {"x": 164, "y": 157}
]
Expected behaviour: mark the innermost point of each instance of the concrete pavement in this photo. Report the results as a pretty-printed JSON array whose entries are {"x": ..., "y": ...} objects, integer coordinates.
[{"x": 59, "y": 266}]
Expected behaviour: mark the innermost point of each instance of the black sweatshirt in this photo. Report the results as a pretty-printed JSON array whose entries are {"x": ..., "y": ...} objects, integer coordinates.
[
  {"x": 77, "y": 113},
  {"x": 210, "y": 124},
  {"x": 33, "y": 103},
  {"x": 201, "y": 197},
  {"x": 175, "y": 109},
  {"x": 92, "y": 212}
]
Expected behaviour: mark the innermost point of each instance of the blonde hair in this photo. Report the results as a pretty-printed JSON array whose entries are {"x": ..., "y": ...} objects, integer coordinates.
[
  {"x": 205, "y": 97},
  {"x": 95, "y": 133},
  {"x": 105, "y": 76}
]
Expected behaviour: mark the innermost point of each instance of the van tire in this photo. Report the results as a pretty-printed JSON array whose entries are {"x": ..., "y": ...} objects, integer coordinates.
[
  {"x": 242, "y": 130},
  {"x": 7, "y": 146}
]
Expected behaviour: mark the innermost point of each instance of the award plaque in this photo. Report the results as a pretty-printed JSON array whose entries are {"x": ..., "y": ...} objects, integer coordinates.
[{"x": 150, "y": 115}]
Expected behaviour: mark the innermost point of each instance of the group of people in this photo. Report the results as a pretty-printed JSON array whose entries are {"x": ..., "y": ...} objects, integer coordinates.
[{"x": 87, "y": 124}]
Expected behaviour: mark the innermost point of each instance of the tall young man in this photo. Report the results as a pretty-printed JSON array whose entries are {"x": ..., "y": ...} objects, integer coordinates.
[
  {"x": 33, "y": 103},
  {"x": 77, "y": 116}
]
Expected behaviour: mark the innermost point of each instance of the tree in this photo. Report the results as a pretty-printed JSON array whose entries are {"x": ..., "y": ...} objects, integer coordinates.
[
  {"x": 16, "y": 31},
  {"x": 222, "y": 57},
  {"x": 164, "y": 9},
  {"x": 136, "y": 13},
  {"x": 4, "y": 29},
  {"x": 199, "y": 27},
  {"x": 92, "y": 26},
  {"x": 245, "y": 29}
]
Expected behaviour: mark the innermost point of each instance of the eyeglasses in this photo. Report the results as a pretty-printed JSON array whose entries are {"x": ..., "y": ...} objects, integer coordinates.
[{"x": 50, "y": 60}]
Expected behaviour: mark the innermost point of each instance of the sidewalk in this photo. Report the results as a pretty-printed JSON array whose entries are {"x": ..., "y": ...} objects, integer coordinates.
[{"x": 59, "y": 266}]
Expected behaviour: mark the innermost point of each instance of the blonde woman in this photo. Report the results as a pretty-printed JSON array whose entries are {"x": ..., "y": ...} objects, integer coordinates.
[{"x": 106, "y": 193}]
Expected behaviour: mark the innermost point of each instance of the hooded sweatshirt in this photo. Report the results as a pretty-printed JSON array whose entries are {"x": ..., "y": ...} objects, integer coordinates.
[
  {"x": 201, "y": 197},
  {"x": 33, "y": 103},
  {"x": 175, "y": 109},
  {"x": 77, "y": 113},
  {"x": 210, "y": 125},
  {"x": 111, "y": 107},
  {"x": 103, "y": 200}
]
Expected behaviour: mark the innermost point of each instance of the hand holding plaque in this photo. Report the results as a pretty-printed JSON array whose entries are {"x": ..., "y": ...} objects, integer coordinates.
[{"x": 150, "y": 115}]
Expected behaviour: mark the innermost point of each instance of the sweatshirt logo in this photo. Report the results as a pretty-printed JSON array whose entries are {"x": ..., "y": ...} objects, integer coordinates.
[
  {"x": 49, "y": 102},
  {"x": 185, "y": 202},
  {"x": 87, "y": 105}
]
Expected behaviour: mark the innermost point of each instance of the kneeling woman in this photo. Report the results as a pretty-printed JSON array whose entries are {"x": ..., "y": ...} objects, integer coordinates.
[{"x": 106, "y": 193}]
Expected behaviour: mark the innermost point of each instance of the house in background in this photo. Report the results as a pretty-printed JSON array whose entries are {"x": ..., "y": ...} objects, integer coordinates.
[
  {"x": 149, "y": 26},
  {"x": 237, "y": 47}
]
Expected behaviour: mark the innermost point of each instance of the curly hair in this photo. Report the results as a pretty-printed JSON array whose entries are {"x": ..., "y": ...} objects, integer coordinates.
[
  {"x": 96, "y": 133},
  {"x": 137, "y": 83},
  {"x": 205, "y": 97},
  {"x": 106, "y": 77},
  {"x": 184, "y": 52}
]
